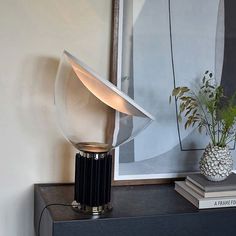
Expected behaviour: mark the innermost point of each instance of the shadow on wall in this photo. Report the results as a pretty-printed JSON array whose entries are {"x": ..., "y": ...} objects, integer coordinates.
[{"x": 53, "y": 155}]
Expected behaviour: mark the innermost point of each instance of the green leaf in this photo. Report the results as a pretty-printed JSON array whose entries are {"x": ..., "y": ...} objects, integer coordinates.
[
  {"x": 194, "y": 112},
  {"x": 182, "y": 107},
  {"x": 211, "y": 86},
  {"x": 211, "y": 95},
  {"x": 185, "y": 98},
  {"x": 185, "y": 89},
  {"x": 187, "y": 112},
  {"x": 203, "y": 81},
  {"x": 175, "y": 91},
  {"x": 194, "y": 122},
  {"x": 187, "y": 124}
]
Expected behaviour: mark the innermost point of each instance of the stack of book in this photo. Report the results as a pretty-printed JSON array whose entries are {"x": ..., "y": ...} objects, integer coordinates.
[{"x": 207, "y": 194}]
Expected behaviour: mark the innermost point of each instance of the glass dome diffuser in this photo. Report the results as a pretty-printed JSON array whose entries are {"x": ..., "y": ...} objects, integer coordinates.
[
  {"x": 86, "y": 106},
  {"x": 94, "y": 116}
]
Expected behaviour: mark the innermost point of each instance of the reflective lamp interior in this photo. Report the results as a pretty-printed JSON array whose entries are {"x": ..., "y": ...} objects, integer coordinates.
[{"x": 94, "y": 115}]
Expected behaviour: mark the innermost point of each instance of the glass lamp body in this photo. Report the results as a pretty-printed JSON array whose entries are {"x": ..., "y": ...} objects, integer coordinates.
[{"x": 94, "y": 115}]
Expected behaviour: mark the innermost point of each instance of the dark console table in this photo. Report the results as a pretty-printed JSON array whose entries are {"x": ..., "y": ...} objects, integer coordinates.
[{"x": 153, "y": 210}]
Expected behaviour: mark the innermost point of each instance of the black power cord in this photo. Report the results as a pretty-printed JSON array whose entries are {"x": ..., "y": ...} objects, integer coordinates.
[{"x": 41, "y": 214}]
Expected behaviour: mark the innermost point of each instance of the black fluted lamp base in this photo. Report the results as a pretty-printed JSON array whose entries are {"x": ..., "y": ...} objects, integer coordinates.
[{"x": 93, "y": 182}]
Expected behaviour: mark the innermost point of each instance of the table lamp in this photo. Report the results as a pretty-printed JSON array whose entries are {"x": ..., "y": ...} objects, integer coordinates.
[{"x": 90, "y": 111}]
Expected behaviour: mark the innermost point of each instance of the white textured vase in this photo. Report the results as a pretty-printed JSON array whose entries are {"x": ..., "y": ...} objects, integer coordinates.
[{"x": 216, "y": 163}]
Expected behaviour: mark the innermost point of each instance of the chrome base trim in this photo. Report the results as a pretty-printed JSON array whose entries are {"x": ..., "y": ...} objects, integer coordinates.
[
  {"x": 91, "y": 210},
  {"x": 93, "y": 155}
]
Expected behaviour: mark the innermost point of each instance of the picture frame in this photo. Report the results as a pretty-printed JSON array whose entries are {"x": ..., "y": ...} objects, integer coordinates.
[{"x": 188, "y": 45}]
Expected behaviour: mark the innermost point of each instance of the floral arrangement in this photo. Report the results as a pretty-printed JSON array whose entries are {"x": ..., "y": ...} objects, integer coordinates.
[{"x": 208, "y": 109}]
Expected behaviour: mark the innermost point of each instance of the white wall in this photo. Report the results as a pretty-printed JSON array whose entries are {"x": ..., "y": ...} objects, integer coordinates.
[{"x": 33, "y": 35}]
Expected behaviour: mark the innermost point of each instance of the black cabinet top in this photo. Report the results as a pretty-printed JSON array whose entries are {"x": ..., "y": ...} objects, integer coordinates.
[{"x": 127, "y": 202}]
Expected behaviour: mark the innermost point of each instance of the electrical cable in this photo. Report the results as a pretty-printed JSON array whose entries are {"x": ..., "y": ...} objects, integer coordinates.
[{"x": 41, "y": 214}]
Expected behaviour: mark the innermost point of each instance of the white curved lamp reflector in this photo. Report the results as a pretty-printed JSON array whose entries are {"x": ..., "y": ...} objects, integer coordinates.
[{"x": 105, "y": 90}]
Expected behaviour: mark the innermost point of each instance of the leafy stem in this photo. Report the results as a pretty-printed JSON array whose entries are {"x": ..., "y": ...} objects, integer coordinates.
[{"x": 208, "y": 108}]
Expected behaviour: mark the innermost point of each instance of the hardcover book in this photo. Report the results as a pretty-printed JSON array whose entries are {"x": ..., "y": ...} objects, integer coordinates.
[
  {"x": 210, "y": 194},
  {"x": 209, "y": 186},
  {"x": 200, "y": 202}
]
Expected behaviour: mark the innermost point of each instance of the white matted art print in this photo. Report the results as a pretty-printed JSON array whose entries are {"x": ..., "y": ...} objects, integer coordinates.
[{"x": 163, "y": 44}]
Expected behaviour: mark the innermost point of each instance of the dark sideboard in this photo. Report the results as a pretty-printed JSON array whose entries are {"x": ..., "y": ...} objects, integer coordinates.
[{"x": 151, "y": 210}]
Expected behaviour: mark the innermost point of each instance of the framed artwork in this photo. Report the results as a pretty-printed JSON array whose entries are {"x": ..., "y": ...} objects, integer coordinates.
[{"x": 158, "y": 45}]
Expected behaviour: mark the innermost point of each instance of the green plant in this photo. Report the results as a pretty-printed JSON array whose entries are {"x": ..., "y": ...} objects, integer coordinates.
[{"x": 208, "y": 109}]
